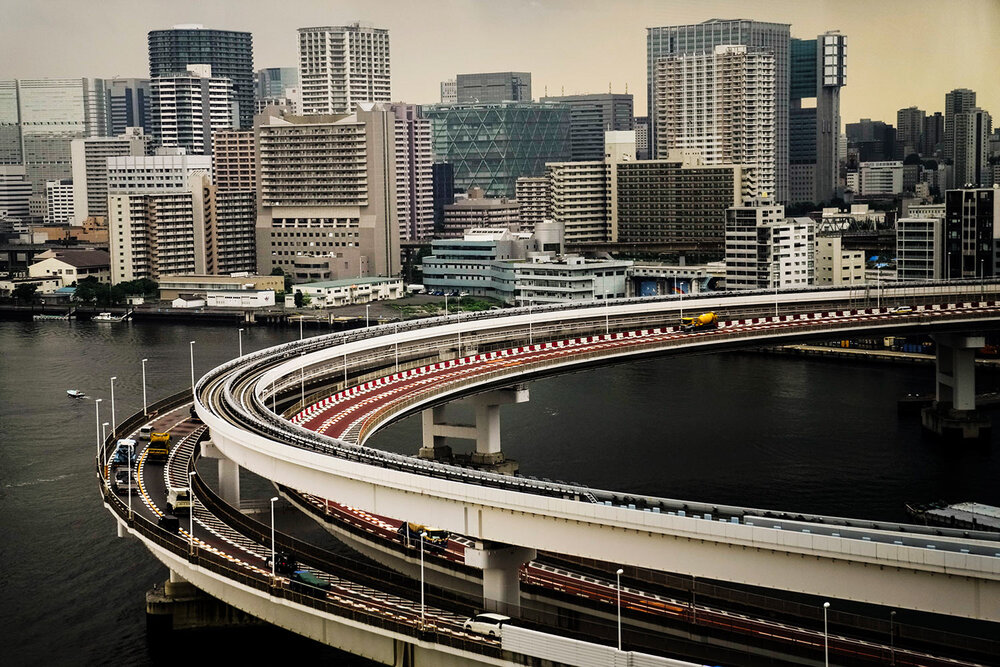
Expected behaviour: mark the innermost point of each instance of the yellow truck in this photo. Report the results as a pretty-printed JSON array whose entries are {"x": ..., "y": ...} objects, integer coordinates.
[
  {"x": 698, "y": 322},
  {"x": 159, "y": 447}
]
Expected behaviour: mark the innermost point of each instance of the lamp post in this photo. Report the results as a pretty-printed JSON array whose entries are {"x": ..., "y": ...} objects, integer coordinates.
[
  {"x": 422, "y": 534},
  {"x": 241, "y": 342},
  {"x": 113, "y": 378},
  {"x": 97, "y": 406},
  {"x": 302, "y": 397},
  {"x": 131, "y": 452},
  {"x": 618, "y": 587},
  {"x": 274, "y": 554},
  {"x": 301, "y": 335},
  {"x": 446, "y": 304},
  {"x": 826, "y": 637},
  {"x": 892, "y": 636},
  {"x": 144, "y": 413},
  {"x": 531, "y": 303},
  {"x": 104, "y": 438},
  {"x": 777, "y": 281},
  {"x": 191, "y": 346},
  {"x": 193, "y": 501},
  {"x": 367, "y": 307}
]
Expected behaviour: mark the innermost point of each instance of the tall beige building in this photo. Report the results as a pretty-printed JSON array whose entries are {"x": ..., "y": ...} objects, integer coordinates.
[
  {"x": 327, "y": 202},
  {"x": 340, "y": 66},
  {"x": 90, "y": 169},
  {"x": 233, "y": 160}
]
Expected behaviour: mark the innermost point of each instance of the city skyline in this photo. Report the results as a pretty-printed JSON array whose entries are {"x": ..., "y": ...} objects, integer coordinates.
[{"x": 597, "y": 44}]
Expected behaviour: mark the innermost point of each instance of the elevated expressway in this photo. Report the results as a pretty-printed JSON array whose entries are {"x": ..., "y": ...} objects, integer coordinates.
[{"x": 380, "y": 375}]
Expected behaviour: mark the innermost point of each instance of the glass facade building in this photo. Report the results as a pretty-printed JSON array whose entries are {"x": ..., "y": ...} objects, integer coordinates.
[{"x": 492, "y": 145}]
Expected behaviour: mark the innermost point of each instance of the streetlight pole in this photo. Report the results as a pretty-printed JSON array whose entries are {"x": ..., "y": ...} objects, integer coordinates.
[
  {"x": 618, "y": 587},
  {"x": 892, "y": 636},
  {"x": 301, "y": 335},
  {"x": 274, "y": 553},
  {"x": 367, "y": 307},
  {"x": 97, "y": 406},
  {"x": 422, "y": 534},
  {"x": 446, "y": 304},
  {"x": 113, "y": 378},
  {"x": 131, "y": 452},
  {"x": 531, "y": 303},
  {"x": 241, "y": 342},
  {"x": 104, "y": 438},
  {"x": 144, "y": 413},
  {"x": 193, "y": 501},
  {"x": 826, "y": 637},
  {"x": 191, "y": 346},
  {"x": 302, "y": 397}
]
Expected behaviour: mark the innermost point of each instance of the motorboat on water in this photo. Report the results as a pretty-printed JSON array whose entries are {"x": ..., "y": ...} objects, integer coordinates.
[
  {"x": 75, "y": 393},
  {"x": 108, "y": 317}
]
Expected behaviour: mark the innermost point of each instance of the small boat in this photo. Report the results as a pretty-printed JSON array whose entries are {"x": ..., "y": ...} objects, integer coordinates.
[
  {"x": 75, "y": 393},
  {"x": 41, "y": 317},
  {"x": 108, "y": 317}
]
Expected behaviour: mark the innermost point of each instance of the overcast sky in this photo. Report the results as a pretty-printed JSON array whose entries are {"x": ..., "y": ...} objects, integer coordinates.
[{"x": 900, "y": 52}]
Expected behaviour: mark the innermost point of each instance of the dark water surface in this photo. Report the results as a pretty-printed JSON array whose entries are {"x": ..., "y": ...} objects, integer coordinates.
[{"x": 773, "y": 432}]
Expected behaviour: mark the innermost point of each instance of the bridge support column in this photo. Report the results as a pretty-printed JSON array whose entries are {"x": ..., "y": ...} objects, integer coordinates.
[
  {"x": 485, "y": 432},
  {"x": 501, "y": 565},
  {"x": 954, "y": 414},
  {"x": 229, "y": 473}
]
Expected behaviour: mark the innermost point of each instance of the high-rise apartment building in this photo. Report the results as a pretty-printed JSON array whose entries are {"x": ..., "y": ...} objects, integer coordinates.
[
  {"x": 766, "y": 250},
  {"x": 909, "y": 131},
  {"x": 492, "y": 145},
  {"x": 39, "y": 118},
  {"x": 90, "y": 169},
  {"x": 449, "y": 92},
  {"x": 932, "y": 137},
  {"x": 721, "y": 104},
  {"x": 415, "y": 181},
  {"x": 15, "y": 191},
  {"x": 642, "y": 138},
  {"x": 590, "y": 117},
  {"x": 701, "y": 38},
  {"x": 957, "y": 101},
  {"x": 189, "y": 106},
  {"x": 341, "y": 66},
  {"x": 532, "y": 194},
  {"x": 579, "y": 199},
  {"x": 478, "y": 211},
  {"x": 872, "y": 140},
  {"x": 228, "y": 52},
  {"x": 234, "y": 160},
  {"x": 971, "y": 148},
  {"x": 972, "y": 217},
  {"x": 493, "y": 87},
  {"x": 338, "y": 222},
  {"x": 59, "y": 202},
  {"x": 919, "y": 248},
  {"x": 818, "y": 72},
  {"x": 128, "y": 105}
]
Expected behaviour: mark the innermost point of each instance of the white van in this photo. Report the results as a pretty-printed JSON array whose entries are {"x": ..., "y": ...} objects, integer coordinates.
[
  {"x": 486, "y": 624},
  {"x": 145, "y": 431},
  {"x": 178, "y": 500}
]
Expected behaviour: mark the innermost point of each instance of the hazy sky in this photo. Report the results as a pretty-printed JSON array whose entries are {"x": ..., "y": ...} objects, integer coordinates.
[{"x": 900, "y": 52}]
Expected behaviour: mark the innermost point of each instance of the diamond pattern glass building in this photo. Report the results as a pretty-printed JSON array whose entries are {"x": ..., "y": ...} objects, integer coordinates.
[{"x": 492, "y": 145}]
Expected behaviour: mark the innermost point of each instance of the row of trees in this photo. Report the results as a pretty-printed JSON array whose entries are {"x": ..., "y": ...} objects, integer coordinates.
[{"x": 91, "y": 291}]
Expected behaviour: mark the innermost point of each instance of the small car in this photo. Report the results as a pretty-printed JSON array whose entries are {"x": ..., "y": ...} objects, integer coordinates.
[
  {"x": 486, "y": 624},
  {"x": 284, "y": 563},
  {"x": 899, "y": 310}
]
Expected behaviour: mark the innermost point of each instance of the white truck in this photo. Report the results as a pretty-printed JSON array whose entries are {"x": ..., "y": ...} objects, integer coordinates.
[{"x": 178, "y": 500}]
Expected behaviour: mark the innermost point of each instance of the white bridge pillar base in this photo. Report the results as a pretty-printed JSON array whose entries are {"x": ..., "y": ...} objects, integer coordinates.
[
  {"x": 953, "y": 414},
  {"x": 485, "y": 433},
  {"x": 229, "y": 473},
  {"x": 501, "y": 566}
]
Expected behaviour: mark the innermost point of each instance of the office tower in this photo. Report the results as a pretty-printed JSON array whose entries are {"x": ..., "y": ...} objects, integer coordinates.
[
  {"x": 273, "y": 82},
  {"x": 443, "y": 178},
  {"x": 334, "y": 223},
  {"x": 971, "y": 148},
  {"x": 228, "y": 52},
  {"x": 919, "y": 248},
  {"x": 835, "y": 265},
  {"x": 881, "y": 178},
  {"x": 449, "y": 92},
  {"x": 493, "y": 87},
  {"x": 15, "y": 191},
  {"x": 702, "y": 38},
  {"x": 59, "y": 202},
  {"x": 188, "y": 107},
  {"x": 932, "y": 135},
  {"x": 492, "y": 145},
  {"x": 340, "y": 66},
  {"x": 909, "y": 131},
  {"x": 971, "y": 219},
  {"x": 766, "y": 250},
  {"x": 234, "y": 160},
  {"x": 818, "y": 72},
  {"x": 874, "y": 141},
  {"x": 39, "y": 118},
  {"x": 90, "y": 169},
  {"x": 641, "y": 124},
  {"x": 477, "y": 211},
  {"x": 590, "y": 117},
  {"x": 722, "y": 104},
  {"x": 532, "y": 193},
  {"x": 957, "y": 101},
  {"x": 128, "y": 105},
  {"x": 415, "y": 181}
]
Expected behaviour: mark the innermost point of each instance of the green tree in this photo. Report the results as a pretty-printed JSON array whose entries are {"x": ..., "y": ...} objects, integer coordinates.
[
  {"x": 25, "y": 292},
  {"x": 299, "y": 299},
  {"x": 86, "y": 290},
  {"x": 278, "y": 271}
]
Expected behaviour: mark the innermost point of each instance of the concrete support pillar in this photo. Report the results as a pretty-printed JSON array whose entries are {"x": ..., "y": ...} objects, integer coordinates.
[
  {"x": 122, "y": 532},
  {"x": 487, "y": 430},
  {"x": 501, "y": 565},
  {"x": 176, "y": 578},
  {"x": 953, "y": 414},
  {"x": 434, "y": 432},
  {"x": 229, "y": 481}
]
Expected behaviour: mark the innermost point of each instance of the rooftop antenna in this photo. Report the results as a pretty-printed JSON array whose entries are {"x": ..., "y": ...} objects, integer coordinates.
[
  {"x": 609, "y": 87},
  {"x": 626, "y": 87},
  {"x": 562, "y": 91}
]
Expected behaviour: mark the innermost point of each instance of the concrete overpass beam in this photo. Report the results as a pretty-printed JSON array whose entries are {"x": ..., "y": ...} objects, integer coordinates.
[
  {"x": 433, "y": 448},
  {"x": 501, "y": 566}
]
